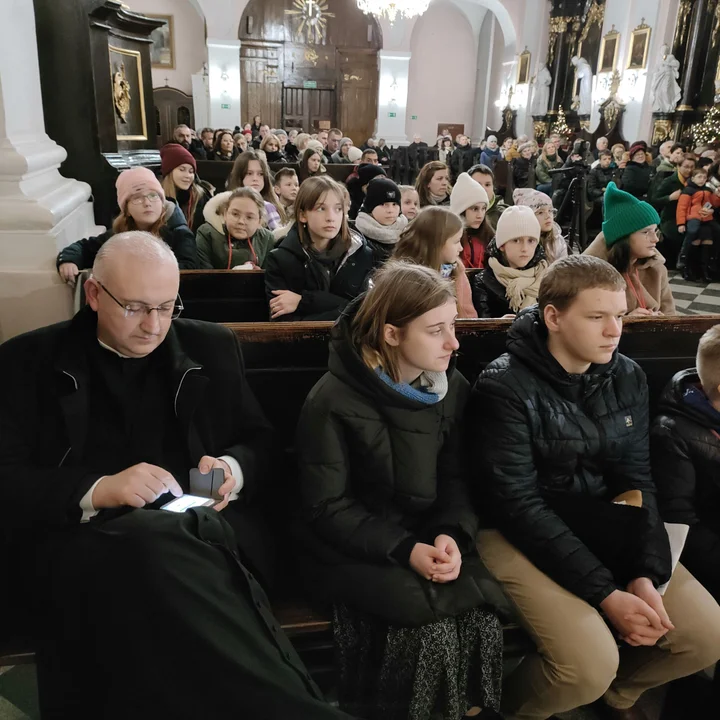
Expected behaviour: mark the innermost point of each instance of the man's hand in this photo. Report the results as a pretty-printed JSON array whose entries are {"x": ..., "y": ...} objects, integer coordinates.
[
  {"x": 637, "y": 623},
  {"x": 681, "y": 228},
  {"x": 285, "y": 302},
  {"x": 137, "y": 486},
  {"x": 675, "y": 196},
  {"x": 206, "y": 464},
  {"x": 68, "y": 272},
  {"x": 645, "y": 590},
  {"x": 447, "y": 571},
  {"x": 424, "y": 559}
]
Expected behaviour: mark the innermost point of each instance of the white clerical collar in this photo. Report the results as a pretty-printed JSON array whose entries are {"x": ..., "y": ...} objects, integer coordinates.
[{"x": 113, "y": 350}]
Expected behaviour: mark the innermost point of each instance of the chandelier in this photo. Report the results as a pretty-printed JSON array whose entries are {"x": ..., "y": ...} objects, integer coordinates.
[{"x": 392, "y": 8}]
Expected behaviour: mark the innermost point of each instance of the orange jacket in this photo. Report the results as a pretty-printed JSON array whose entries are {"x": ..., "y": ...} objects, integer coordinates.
[{"x": 691, "y": 202}]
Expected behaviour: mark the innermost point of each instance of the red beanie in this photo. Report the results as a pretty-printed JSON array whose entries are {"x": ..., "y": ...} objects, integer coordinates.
[{"x": 172, "y": 155}]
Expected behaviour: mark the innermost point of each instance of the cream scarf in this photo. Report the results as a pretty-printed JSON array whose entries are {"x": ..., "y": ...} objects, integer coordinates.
[{"x": 521, "y": 286}]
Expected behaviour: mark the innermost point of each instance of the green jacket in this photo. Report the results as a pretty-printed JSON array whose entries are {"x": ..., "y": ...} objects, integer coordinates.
[
  {"x": 496, "y": 209},
  {"x": 212, "y": 241},
  {"x": 542, "y": 174}
]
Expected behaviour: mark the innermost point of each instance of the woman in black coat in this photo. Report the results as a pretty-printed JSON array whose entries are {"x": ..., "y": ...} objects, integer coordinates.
[
  {"x": 321, "y": 264},
  {"x": 638, "y": 172},
  {"x": 387, "y": 523}
]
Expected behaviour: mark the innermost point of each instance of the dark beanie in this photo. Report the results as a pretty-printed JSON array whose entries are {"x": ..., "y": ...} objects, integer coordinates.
[
  {"x": 173, "y": 155},
  {"x": 380, "y": 190},
  {"x": 368, "y": 171}
]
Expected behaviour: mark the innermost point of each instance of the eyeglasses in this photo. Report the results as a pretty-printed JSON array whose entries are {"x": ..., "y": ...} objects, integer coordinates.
[
  {"x": 166, "y": 311},
  {"x": 140, "y": 199}
]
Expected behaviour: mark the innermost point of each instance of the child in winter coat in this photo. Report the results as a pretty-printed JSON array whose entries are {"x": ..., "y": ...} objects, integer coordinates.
[
  {"x": 410, "y": 202},
  {"x": 696, "y": 218},
  {"x": 233, "y": 237},
  {"x": 322, "y": 264},
  {"x": 379, "y": 219},
  {"x": 551, "y": 238},
  {"x": 470, "y": 201},
  {"x": 251, "y": 170},
  {"x": 434, "y": 239},
  {"x": 514, "y": 268}
]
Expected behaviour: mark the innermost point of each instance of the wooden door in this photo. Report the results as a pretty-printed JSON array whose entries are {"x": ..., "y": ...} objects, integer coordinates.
[
  {"x": 260, "y": 82},
  {"x": 172, "y": 107},
  {"x": 308, "y": 108},
  {"x": 358, "y": 84}
]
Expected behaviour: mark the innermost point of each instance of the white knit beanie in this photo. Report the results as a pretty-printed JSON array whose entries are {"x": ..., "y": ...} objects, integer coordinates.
[
  {"x": 517, "y": 221},
  {"x": 466, "y": 193},
  {"x": 354, "y": 154}
]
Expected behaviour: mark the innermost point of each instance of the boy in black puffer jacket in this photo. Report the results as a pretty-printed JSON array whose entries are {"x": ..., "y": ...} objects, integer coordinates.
[{"x": 562, "y": 426}]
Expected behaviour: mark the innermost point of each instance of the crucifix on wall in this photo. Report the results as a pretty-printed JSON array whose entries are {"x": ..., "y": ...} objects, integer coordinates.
[{"x": 312, "y": 15}]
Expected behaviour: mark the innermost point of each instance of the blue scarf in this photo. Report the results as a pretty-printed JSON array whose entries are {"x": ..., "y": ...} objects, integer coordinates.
[
  {"x": 446, "y": 269},
  {"x": 406, "y": 390}
]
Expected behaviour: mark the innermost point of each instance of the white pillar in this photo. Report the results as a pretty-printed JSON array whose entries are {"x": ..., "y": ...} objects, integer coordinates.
[
  {"x": 201, "y": 100},
  {"x": 392, "y": 96},
  {"x": 40, "y": 210},
  {"x": 224, "y": 83}
]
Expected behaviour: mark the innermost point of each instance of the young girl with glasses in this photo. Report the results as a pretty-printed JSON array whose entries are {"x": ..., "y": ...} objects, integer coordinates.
[{"x": 143, "y": 206}]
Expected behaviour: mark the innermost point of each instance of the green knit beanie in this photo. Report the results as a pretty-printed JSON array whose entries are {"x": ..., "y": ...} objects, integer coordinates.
[{"x": 625, "y": 214}]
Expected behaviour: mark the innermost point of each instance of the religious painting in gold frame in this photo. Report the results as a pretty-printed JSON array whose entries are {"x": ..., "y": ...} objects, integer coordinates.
[
  {"x": 639, "y": 46},
  {"x": 162, "y": 50},
  {"x": 126, "y": 83},
  {"x": 523, "y": 74},
  {"x": 609, "y": 47}
]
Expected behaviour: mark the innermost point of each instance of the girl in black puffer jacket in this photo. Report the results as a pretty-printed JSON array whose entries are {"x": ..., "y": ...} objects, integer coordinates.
[
  {"x": 321, "y": 264},
  {"x": 386, "y": 517}
]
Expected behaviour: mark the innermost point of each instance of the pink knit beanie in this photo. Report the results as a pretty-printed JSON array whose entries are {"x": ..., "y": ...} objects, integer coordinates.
[{"x": 136, "y": 180}]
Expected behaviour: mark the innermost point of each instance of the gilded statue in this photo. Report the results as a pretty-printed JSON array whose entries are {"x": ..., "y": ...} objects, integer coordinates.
[{"x": 121, "y": 93}]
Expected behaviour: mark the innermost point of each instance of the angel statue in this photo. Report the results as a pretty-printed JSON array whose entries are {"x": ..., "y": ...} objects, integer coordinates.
[
  {"x": 665, "y": 91},
  {"x": 584, "y": 75},
  {"x": 541, "y": 91}
]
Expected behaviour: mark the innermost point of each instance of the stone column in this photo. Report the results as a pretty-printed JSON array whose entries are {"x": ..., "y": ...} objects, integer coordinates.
[
  {"x": 392, "y": 96},
  {"x": 40, "y": 210},
  {"x": 224, "y": 83}
]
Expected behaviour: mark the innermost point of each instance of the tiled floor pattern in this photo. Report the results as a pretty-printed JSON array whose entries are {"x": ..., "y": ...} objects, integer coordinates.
[{"x": 695, "y": 298}]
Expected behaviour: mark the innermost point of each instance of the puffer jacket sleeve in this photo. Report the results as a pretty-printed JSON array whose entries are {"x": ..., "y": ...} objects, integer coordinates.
[
  {"x": 204, "y": 247},
  {"x": 683, "y": 209},
  {"x": 675, "y": 477},
  {"x": 480, "y": 296},
  {"x": 507, "y": 477},
  {"x": 632, "y": 472},
  {"x": 454, "y": 512},
  {"x": 182, "y": 241},
  {"x": 82, "y": 252},
  {"x": 327, "y": 502}
]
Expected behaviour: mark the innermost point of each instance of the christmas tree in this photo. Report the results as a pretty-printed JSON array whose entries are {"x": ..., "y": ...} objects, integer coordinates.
[
  {"x": 560, "y": 126},
  {"x": 708, "y": 131}
]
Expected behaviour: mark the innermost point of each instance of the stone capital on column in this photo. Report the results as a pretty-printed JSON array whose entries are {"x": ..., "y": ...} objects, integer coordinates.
[{"x": 393, "y": 95}]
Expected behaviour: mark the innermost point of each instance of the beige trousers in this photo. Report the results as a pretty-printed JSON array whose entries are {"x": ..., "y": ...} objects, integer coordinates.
[{"x": 578, "y": 660}]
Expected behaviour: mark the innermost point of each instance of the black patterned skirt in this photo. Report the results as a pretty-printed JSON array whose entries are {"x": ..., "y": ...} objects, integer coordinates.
[{"x": 439, "y": 670}]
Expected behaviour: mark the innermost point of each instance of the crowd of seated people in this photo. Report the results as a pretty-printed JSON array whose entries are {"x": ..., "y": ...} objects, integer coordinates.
[
  {"x": 425, "y": 511},
  {"x": 320, "y": 241}
]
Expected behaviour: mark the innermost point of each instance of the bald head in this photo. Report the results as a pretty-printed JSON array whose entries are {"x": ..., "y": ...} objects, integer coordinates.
[{"x": 133, "y": 288}]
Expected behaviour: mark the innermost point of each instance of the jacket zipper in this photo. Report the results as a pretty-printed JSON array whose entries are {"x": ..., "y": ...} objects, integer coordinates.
[{"x": 67, "y": 452}]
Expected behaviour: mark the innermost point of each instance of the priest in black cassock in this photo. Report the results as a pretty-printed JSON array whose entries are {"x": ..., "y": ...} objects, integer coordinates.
[{"x": 140, "y": 612}]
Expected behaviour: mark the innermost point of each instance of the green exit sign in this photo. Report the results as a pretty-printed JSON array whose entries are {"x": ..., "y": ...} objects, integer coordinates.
[
  {"x": 225, "y": 106},
  {"x": 392, "y": 114},
  {"x": 413, "y": 117},
  {"x": 310, "y": 84}
]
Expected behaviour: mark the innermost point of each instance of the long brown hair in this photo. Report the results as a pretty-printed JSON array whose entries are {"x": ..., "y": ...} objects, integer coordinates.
[
  {"x": 217, "y": 145},
  {"x": 424, "y": 178},
  {"x": 303, "y": 171},
  {"x": 196, "y": 191},
  {"x": 125, "y": 223},
  {"x": 423, "y": 239},
  {"x": 308, "y": 195},
  {"x": 240, "y": 170},
  {"x": 401, "y": 292}
]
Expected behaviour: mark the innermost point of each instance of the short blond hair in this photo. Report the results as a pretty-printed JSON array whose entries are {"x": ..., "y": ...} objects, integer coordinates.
[{"x": 708, "y": 361}]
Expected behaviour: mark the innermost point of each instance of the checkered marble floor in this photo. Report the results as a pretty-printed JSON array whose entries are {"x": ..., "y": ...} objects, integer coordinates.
[{"x": 694, "y": 298}]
